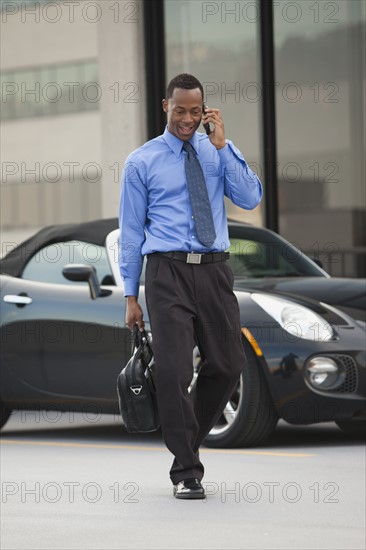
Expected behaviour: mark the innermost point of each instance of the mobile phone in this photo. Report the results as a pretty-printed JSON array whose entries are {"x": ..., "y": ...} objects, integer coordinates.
[{"x": 206, "y": 126}]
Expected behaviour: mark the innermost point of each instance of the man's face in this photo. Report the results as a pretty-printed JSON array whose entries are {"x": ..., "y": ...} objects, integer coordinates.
[{"x": 184, "y": 112}]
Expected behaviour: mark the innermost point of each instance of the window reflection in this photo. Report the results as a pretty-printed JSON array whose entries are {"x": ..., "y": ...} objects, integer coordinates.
[
  {"x": 222, "y": 54},
  {"x": 47, "y": 264},
  {"x": 321, "y": 144}
]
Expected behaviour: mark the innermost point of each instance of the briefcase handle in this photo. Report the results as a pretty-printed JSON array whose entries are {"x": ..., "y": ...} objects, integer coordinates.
[
  {"x": 138, "y": 335},
  {"x": 140, "y": 338}
]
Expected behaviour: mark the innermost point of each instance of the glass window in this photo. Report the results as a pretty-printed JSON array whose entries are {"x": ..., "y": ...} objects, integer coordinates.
[
  {"x": 29, "y": 91},
  {"x": 46, "y": 266},
  {"x": 47, "y": 93},
  {"x": 257, "y": 253},
  {"x": 320, "y": 77},
  {"x": 68, "y": 78},
  {"x": 91, "y": 89},
  {"x": 8, "y": 91},
  {"x": 50, "y": 90},
  {"x": 217, "y": 43}
]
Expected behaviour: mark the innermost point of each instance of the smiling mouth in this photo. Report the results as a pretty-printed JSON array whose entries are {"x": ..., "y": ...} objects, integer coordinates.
[{"x": 186, "y": 129}]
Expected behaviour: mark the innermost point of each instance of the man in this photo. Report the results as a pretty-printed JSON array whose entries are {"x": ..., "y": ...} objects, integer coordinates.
[{"x": 172, "y": 210}]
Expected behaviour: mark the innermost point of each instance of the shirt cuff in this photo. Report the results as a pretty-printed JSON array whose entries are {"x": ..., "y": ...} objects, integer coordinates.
[
  {"x": 131, "y": 288},
  {"x": 225, "y": 153},
  {"x": 230, "y": 153}
]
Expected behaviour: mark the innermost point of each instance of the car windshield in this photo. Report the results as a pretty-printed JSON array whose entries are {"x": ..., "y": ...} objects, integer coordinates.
[{"x": 256, "y": 252}]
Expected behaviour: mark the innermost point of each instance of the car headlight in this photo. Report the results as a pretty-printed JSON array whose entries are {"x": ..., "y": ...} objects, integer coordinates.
[{"x": 295, "y": 319}]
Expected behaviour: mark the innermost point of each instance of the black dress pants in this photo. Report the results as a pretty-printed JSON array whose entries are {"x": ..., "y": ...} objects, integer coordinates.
[{"x": 191, "y": 304}]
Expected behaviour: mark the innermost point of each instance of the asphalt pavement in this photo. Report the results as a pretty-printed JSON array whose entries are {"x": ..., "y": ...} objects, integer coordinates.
[{"x": 69, "y": 481}]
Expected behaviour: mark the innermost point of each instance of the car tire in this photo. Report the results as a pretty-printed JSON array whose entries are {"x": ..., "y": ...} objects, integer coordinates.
[
  {"x": 249, "y": 417},
  {"x": 5, "y": 412},
  {"x": 355, "y": 428}
]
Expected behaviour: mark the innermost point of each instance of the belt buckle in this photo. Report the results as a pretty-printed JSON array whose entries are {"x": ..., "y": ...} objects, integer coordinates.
[{"x": 193, "y": 258}]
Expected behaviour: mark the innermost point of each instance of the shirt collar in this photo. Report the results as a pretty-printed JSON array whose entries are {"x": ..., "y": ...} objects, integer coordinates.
[{"x": 176, "y": 144}]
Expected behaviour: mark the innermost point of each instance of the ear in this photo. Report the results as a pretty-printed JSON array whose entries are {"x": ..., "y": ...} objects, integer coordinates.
[{"x": 165, "y": 105}]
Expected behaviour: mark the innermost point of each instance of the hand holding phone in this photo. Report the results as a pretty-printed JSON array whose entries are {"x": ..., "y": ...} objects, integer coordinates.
[{"x": 206, "y": 126}]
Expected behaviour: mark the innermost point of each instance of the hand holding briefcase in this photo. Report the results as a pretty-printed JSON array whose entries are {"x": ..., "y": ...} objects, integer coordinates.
[{"x": 136, "y": 388}]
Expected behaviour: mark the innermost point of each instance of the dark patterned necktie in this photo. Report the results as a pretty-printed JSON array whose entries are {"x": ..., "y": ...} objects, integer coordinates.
[{"x": 200, "y": 203}]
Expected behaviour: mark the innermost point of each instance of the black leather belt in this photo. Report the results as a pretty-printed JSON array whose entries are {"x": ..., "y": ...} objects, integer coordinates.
[{"x": 193, "y": 258}]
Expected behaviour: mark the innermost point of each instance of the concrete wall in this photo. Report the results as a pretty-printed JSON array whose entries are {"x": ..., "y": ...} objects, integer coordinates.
[
  {"x": 123, "y": 117},
  {"x": 29, "y": 37}
]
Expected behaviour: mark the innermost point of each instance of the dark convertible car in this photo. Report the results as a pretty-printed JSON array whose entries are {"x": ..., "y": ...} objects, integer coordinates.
[{"x": 64, "y": 340}]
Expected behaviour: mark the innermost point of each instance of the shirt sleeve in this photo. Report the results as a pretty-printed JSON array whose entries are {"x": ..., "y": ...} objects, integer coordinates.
[
  {"x": 132, "y": 218},
  {"x": 242, "y": 185}
]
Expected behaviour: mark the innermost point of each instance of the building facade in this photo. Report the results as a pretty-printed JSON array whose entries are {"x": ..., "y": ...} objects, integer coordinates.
[{"x": 82, "y": 84}]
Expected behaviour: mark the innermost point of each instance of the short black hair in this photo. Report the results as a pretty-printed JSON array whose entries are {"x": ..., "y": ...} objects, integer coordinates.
[{"x": 185, "y": 81}]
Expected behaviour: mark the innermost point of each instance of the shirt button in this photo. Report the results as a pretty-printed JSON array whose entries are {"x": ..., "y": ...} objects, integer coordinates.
[
  {"x": 192, "y": 237},
  {"x": 192, "y": 217}
]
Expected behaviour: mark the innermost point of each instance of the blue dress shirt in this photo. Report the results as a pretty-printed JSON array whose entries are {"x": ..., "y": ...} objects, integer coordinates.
[{"x": 155, "y": 212}]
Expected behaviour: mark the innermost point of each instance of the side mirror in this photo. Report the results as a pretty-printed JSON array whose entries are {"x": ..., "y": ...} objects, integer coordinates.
[{"x": 83, "y": 272}]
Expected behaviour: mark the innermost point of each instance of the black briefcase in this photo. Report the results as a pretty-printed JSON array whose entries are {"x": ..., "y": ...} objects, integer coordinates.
[{"x": 136, "y": 388}]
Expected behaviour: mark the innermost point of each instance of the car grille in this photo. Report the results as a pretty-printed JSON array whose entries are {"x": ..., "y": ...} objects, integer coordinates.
[{"x": 350, "y": 383}]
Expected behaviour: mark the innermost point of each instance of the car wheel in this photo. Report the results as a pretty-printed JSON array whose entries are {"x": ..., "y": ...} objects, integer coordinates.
[
  {"x": 5, "y": 412},
  {"x": 353, "y": 427},
  {"x": 249, "y": 417}
]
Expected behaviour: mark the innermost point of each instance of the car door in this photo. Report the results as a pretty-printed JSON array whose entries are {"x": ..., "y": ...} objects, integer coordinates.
[{"x": 61, "y": 342}]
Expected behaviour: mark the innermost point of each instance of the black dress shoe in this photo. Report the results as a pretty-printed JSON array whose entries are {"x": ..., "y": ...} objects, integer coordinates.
[{"x": 189, "y": 488}]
